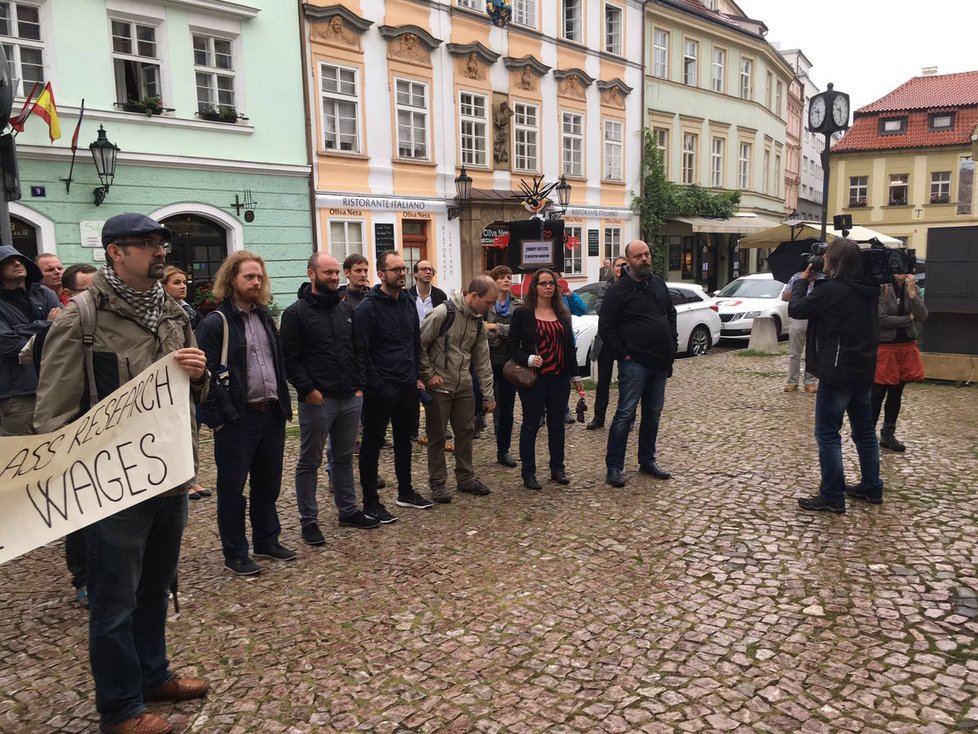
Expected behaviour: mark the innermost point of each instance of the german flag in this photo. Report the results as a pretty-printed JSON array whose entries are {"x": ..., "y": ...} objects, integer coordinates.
[{"x": 45, "y": 108}]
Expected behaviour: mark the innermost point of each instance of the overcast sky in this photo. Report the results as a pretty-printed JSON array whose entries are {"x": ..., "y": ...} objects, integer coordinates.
[{"x": 869, "y": 47}]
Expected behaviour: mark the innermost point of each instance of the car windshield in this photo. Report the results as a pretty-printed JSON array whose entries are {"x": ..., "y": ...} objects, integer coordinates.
[{"x": 743, "y": 288}]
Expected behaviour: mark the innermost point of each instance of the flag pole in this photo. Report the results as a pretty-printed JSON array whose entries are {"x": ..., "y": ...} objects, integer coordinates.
[{"x": 74, "y": 148}]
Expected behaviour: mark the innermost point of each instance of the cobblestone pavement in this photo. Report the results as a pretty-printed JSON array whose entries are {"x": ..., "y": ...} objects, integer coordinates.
[{"x": 704, "y": 603}]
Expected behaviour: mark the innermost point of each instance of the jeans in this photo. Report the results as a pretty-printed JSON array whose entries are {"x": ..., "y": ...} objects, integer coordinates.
[
  {"x": 249, "y": 450},
  {"x": 636, "y": 383},
  {"x": 76, "y": 557},
  {"x": 549, "y": 394},
  {"x": 505, "y": 406},
  {"x": 339, "y": 420},
  {"x": 602, "y": 392},
  {"x": 830, "y": 405},
  {"x": 132, "y": 562},
  {"x": 797, "y": 331},
  {"x": 396, "y": 404},
  {"x": 460, "y": 409}
]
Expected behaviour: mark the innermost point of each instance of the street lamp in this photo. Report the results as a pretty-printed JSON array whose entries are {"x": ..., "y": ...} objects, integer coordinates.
[
  {"x": 105, "y": 154},
  {"x": 463, "y": 194}
]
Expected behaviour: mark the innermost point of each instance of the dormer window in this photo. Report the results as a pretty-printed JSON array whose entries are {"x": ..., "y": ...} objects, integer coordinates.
[
  {"x": 940, "y": 121},
  {"x": 893, "y": 126}
]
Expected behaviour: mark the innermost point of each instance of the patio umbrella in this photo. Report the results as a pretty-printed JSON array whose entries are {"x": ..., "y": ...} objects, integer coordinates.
[{"x": 789, "y": 258}]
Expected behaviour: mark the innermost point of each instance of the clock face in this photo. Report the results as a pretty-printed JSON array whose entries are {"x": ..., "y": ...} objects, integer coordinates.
[
  {"x": 816, "y": 113},
  {"x": 840, "y": 111}
]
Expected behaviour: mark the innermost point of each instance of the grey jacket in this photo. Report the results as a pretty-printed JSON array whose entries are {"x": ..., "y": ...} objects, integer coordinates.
[
  {"x": 466, "y": 347},
  {"x": 892, "y": 323}
]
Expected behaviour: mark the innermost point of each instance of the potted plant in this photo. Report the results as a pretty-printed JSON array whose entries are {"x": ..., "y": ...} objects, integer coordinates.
[
  {"x": 222, "y": 113},
  {"x": 940, "y": 198},
  {"x": 205, "y": 301},
  {"x": 275, "y": 311},
  {"x": 149, "y": 106}
]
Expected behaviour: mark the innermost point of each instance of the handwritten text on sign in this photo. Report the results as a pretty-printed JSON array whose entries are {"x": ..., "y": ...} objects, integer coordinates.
[{"x": 133, "y": 445}]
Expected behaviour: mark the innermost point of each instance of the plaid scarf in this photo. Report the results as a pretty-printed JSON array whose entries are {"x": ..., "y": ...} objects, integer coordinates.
[{"x": 148, "y": 305}]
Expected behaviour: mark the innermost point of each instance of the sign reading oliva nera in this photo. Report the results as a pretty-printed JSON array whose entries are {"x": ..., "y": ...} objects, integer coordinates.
[{"x": 133, "y": 445}]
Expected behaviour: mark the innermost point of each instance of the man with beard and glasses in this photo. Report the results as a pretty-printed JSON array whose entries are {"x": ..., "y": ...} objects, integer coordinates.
[
  {"x": 388, "y": 338},
  {"x": 133, "y": 554},
  {"x": 253, "y": 444},
  {"x": 320, "y": 361},
  {"x": 638, "y": 324}
]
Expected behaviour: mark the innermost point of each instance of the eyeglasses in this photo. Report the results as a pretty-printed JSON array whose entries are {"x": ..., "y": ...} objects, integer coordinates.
[
  {"x": 396, "y": 271},
  {"x": 146, "y": 243},
  {"x": 427, "y": 270},
  {"x": 546, "y": 284}
]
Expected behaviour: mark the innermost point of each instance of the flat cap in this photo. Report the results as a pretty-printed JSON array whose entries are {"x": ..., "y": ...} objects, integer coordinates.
[{"x": 131, "y": 224}]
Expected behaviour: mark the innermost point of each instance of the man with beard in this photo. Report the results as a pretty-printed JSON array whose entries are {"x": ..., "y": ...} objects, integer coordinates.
[
  {"x": 133, "y": 554},
  {"x": 322, "y": 365},
  {"x": 388, "y": 338},
  {"x": 638, "y": 324},
  {"x": 52, "y": 272},
  {"x": 254, "y": 443}
]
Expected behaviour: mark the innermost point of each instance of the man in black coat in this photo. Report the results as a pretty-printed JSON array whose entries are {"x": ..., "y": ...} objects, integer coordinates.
[{"x": 638, "y": 324}]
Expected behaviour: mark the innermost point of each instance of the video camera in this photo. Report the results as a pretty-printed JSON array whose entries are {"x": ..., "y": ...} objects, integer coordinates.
[{"x": 880, "y": 263}]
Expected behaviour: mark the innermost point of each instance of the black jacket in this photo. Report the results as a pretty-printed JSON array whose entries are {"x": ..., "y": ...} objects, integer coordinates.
[
  {"x": 23, "y": 313},
  {"x": 388, "y": 338},
  {"x": 210, "y": 333},
  {"x": 354, "y": 298},
  {"x": 843, "y": 330},
  {"x": 638, "y": 319},
  {"x": 438, "y": 296},
  {"x": 523, "y": 339},
  {"x": 317, "y": 342}
]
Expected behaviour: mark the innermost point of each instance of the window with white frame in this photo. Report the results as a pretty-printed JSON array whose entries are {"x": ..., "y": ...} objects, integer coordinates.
[
  {"x": 940, "y": 187},
  {"x": 573, "y": 20},
  {"x": 20, "y": 34},
  {"x": 473, "y": 4},
  {"x": 690, "y": 142},
  {"x": 345, "y": 238},
  {"x": 214, "y": 70},
  {"x": 716, "y": 162},
  {"x": 743, "y": 167},
  {"x": 135, "y": 60},
  {"x": 612, "y": 242},
  {"x": 341, "y": 108},
  {"x": 899, "y": 189},
  {"x": 719, "y": 69},
  {"x": 777, "y": 175},
  {"x": 572, "y": 143},
  {"x": 778, "y": 92},
  {"x": 474, "y": 122},
  {"x": 858, "y": 188},
  {"x": 746, "y": 79},
  {"x": 660, "y": 54},
  {"x": 661, "y": 137},
  {"x": 765, "y": 172},
  {"x": 691, "y": 50},
  {"x": 525, "y": 13},
  {"x": 525, "y": 137},
  {"x": 613, "y": 139},
  {"x": 573, "y": 256},
  {"x": 768, "y": 86},
  {"x": 612, "y": 29},
  {"x": 412, "y": 119}
]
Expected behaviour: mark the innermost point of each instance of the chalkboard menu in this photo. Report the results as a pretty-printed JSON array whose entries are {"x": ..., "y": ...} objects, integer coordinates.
[
  {"x": 593, "y": 243},
  {"x": 383, "y": 237}
]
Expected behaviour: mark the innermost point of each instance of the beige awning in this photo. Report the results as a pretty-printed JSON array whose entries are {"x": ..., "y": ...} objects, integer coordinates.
[
  {"x": 737, "y": 224},
  {"x": 812, "y": 230}
]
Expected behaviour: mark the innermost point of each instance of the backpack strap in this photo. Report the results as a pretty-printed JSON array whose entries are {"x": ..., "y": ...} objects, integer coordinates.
[
  {"x": 87, "y": 315},
  {"x": 446, "y": 325}
]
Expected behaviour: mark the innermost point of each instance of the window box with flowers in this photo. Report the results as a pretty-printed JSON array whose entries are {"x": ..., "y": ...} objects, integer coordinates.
[
  {"x": 857, "y": 202},
  {"x": 227, "y": 115},
  {"x": 940, "y": 198},
  {"x": 205, "y": 301},
  {"x": 148, "y": 106}
]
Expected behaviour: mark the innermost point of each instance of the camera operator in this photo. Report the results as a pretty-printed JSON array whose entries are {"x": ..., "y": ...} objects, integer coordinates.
[{"x": 843, "y": 335}]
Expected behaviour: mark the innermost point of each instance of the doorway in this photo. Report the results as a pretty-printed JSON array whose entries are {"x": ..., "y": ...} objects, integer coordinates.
[
  {"x": 414, "y": 241},
  {"x": 24, "y": 237},
  {"x": 199, "y": 248}
]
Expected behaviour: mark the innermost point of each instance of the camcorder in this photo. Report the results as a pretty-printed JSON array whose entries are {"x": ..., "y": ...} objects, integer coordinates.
[{"x": 880, "y": 263}]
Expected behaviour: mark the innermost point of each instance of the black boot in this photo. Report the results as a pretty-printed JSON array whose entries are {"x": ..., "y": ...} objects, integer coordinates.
[{"x": 888, "y": 440}]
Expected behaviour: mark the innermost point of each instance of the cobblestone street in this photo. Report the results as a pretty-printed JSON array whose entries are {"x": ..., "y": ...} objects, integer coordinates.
[{"x": 708, "y": 602}]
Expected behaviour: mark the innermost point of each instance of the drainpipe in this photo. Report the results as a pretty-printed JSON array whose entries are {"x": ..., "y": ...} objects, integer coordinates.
[{"x": 310, "y": 151}]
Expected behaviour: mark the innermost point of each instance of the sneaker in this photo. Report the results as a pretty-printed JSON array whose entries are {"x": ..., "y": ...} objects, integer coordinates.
[
  {"x": 359, "y": 520},
  {"x": 276, "y": 552},
  {"x": 195, "y": 495},
  {"x": 204, "y": 492},
  {"x": 312, "y": 535},
  {"x": 82, "y": 596},
  {"x": 179, "y": 688},
  {"x": 476, "y": 488},
  {"x": 791, "y": 387},
  {"x": 817, "y": 503},
  {"x": 242, "y": 567},
  {"x": 811, "y": 388},
  {"x": 379, "y": 513},
  {"x": 381, "y": 483},
  {"x": 413, "y": 499},
  {"x": 506, "y": 459},
  {"x": 440, "y": 493},
  {"x": 861, "y": 493}
]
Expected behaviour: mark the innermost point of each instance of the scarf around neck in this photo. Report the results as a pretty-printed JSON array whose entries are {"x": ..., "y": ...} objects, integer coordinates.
[{"x": 148, "y": 305}]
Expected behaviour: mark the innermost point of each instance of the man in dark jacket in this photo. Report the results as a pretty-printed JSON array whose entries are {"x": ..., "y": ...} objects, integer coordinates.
[
  {"x": 356, "y": 269},
  {"x": 638, "y": 324},
  {"x": 249, "y": 428},
  {"x": 26, "y": 308},
  {"x": 843, "y": 338},
  {"x": 388, "y": 338},
  {"x": 322, "y": 365}
]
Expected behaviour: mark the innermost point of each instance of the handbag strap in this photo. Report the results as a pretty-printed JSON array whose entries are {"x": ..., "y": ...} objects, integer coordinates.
[{"x": 224, "y": 340}]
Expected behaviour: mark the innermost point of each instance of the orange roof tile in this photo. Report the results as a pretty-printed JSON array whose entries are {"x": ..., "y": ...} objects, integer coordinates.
[
  {"x": 921, "y": 92},
  {"x": 864, "y": 133}
]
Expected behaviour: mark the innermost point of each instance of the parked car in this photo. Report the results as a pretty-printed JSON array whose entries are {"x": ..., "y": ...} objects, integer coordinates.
[
  {"x": 697, "y": 320},
  {"x": 744, "y": 299}
]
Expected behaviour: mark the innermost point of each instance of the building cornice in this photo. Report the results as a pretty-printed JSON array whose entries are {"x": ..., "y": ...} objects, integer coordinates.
[
  {"x": 391, "y": 32},
  {"x": 316, "y": 13},
  {"x": 220, "y": 7},
  {"x": 604, "y": 86},
  {"x": 485, "y": 55},
  {"x": 561, "y": 74},
  {"x": 526, "y": 62}
]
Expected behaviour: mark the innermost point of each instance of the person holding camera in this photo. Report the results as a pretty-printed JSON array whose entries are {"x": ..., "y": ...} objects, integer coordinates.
[{"x": 843, "y": 335}]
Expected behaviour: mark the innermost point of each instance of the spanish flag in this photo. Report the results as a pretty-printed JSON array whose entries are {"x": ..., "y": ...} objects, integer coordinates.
[{"x": 45, "y": 109}]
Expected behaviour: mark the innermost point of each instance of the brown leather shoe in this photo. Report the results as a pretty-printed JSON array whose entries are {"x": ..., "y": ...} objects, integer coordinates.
[
  {"x": 179, "y": 689},
  {"x": 145, "y": 723}
]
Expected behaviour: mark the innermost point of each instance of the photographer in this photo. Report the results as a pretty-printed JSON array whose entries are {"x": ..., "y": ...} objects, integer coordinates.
[{"x": 843, "y": 335}]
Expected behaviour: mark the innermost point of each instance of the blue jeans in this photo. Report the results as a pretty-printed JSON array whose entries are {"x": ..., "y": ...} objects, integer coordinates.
[
  {"x": 636, "y": 383},
  {"x": 830, "y": 405},
  {"x": 549, "y": 393},
  {"x": 132, "y": 561},
  {"x": 339, "y": 419}
]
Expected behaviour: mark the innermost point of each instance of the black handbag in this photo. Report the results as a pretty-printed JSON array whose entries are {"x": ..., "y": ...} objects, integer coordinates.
[
  {"x": 224, "y": 410},
  {"x": 520, "y": 375}
]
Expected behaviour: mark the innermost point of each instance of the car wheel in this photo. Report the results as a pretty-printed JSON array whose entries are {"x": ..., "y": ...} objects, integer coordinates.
[
  {"x": 699, "y": 342},
  {"x": 777, "y": 326}
]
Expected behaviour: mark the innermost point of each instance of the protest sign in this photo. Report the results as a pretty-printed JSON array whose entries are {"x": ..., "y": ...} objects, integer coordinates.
[{"x": 133, "y": 445}]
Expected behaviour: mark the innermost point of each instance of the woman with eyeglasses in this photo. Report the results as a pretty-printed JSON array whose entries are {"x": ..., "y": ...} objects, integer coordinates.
[{"x": 541, "y": 336}]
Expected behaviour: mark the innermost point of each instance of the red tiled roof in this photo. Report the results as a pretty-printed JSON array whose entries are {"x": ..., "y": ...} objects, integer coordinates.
[
  {"x": 864, "y": 133},
  {"x": 923, "y": 92}
]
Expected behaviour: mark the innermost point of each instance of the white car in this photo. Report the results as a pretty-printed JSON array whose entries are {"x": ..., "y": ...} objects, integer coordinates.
[
  {"x": 697, "y": 320},
  {"x": 744, "y": 299}
]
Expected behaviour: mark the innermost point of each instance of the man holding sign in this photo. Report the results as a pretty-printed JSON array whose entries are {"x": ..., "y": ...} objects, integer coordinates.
[{"x": 133, "y": 554}]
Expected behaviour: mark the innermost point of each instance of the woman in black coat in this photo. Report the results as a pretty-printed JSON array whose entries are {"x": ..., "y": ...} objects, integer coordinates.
[{"x": 541, "y": 336}]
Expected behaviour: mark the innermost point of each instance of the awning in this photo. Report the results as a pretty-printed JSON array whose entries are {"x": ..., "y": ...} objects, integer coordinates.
[
  {"x": 812, "y": 230},
  {"x": 737, "y": 224}
]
